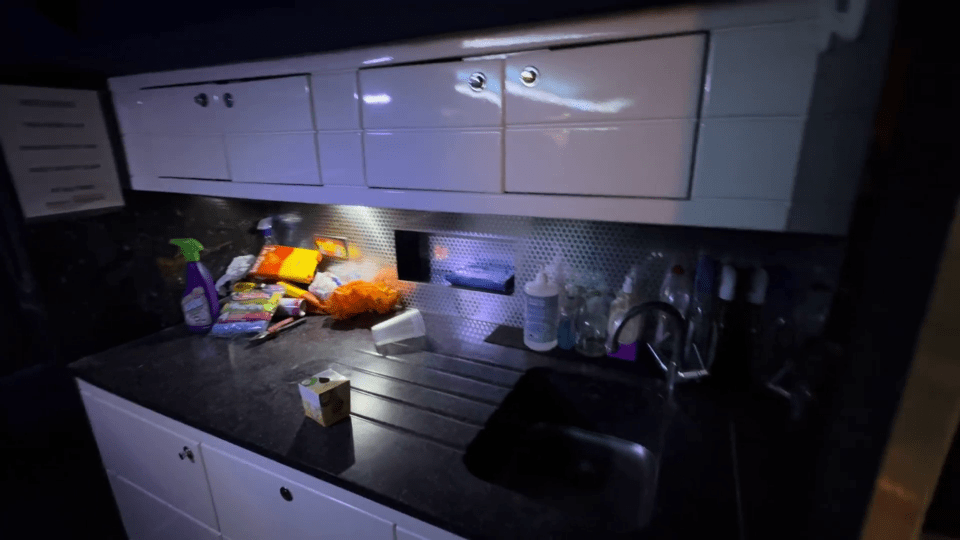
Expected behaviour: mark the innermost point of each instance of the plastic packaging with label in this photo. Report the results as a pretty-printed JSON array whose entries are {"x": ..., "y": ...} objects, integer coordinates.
[{"x": 246, "y": 313}]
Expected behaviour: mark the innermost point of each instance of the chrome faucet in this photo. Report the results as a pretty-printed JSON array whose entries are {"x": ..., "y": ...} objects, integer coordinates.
[{"x": 673, "y": 367}]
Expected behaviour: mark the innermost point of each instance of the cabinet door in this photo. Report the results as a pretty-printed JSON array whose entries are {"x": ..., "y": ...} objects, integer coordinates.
[
  {"x": 177, "y": 110},
  {"x": 146, "y": 517},
  {"x": 435, "y": 160},
  {"x": 159, "y": 461},
  {"x": 653, "y": 78},
  {"x": 432, "y": 95},
  {"x": 630, "y": 159},
  {"x": 187, "y": 156},
  {"x": 254, "y": 504},
  {"x": 281, "y": 104},
  {"x": 273, "y": 158}
]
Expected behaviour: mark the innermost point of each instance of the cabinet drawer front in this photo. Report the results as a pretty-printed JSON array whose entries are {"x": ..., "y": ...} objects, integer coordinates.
[
  {"x": 641, "y": 159},
  {"x": 432, "y": 95},
  {"x": 178, "y": 110},
  {"x": 335, "y": 103},
  {"x": 435, "y": 160},
  {"x": 149, "y": 456},
  {"x": 147, "y": 518},
  {"x": 269, "y": 105},
  {"x": 201, "y": 156},
  {"x": 341, "y": 158},
  {"x": 251, "y": 506},
  {"x": 653, "y": 78},
  {"x": 274, "y": 158}
]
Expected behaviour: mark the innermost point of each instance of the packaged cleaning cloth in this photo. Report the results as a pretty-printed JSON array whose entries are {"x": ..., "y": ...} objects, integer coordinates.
[
  {"x": 246, "y": 313},
  {"x": 484, "y": 274},
  {"x": 287, "y": 263}
]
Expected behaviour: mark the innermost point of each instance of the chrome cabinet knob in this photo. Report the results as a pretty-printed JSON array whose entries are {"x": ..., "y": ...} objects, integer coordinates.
[
  {"x": 201, "y": 99},
  {"x": 228, "y": 100},
  {"x": 477, "y": 81},
  {"x": 186, "y": 453},
  {"x": 529, "y": 76}
]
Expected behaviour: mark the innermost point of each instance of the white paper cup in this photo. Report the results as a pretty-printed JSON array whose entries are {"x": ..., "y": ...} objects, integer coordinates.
[{"x": 405, "y": 325}]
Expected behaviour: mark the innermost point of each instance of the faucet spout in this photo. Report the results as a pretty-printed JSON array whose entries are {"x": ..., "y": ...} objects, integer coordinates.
[{"x": 672, "y": 367}]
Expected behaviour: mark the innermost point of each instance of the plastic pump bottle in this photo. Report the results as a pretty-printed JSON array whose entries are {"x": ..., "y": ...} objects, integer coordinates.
[
  {"x": 541, "y": 314},
  {"x": 199, "y": 303},
  {"x": 626, "y": 299}
]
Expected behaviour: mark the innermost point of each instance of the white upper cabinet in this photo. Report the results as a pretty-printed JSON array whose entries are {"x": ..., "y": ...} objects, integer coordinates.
[
  {"x": 335, "y": 101},
  {"x": 445, "y": 94},
  {"x": 179, "y": 110},
  {"x": 651, "y": 78},
  {"x": 614, "y": 120},
  {"x": 697, "y": 115},
  {"x": 281, "y": 104}
]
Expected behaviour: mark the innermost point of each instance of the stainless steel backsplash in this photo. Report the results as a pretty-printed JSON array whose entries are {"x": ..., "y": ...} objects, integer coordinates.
[{"x": 604, "y": 248}]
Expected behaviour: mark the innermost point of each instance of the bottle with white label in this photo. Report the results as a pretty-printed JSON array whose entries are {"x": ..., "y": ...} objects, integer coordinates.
[{"x": 541, "y": 314}]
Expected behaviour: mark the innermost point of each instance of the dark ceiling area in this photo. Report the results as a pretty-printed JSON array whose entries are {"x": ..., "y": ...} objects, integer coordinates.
[{"x": 116, "y": 37}]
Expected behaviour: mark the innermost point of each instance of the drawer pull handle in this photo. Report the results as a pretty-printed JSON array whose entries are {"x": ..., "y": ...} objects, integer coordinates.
[
  {"x": 477, "y": 81},
  {"x": 529, "y": 76},
  {"x": 186, "y": 453},
  {"x": 228, "y": 100},
  {"x": 201, "y": 99},
  {"x": 285, "y": 493}
]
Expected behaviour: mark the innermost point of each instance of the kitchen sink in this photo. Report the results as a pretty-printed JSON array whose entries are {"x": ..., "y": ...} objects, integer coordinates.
[{"x": 588, "y": 446}]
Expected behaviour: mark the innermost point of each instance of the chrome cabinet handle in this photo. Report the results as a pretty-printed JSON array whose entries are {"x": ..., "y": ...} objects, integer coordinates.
[
  {"x": 477, "y": 81},
  {"x": 186, "y": 453},
  {"x": 228, "y": 100},
  {"x": 201, "y": 99},
  {"x": 529, "y": 76}
]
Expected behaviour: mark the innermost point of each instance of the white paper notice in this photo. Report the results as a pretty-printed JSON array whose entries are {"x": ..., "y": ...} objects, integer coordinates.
[{"x": 56, "y": 148}]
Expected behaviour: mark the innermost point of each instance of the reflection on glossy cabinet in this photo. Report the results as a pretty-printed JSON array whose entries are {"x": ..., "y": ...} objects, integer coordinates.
[
  {"x": 341, "y": 158},
  {"x": 280, "y": 104},
  {"x": 179, "y": 110},
  {"x": 445, "y": 94},
  {"x": 273, "y": 158},
  {"x": 254, "y": 504},
  {"x": 446, "y": 160},
  {"x": 652, "y": 78},
  {"x": 146, "y": 517},
  {"x": 631, "y": 159}
]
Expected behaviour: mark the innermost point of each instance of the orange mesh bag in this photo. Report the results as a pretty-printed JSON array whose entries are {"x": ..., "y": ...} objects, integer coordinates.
[{"x": 359, "y": 297}]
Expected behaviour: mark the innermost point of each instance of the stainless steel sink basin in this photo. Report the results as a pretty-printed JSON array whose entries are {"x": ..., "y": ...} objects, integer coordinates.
[{"x": 587, "y": 446}]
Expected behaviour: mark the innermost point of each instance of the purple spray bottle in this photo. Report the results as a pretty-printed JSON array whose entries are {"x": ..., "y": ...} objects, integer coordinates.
[{"x": 200, "y": 305}]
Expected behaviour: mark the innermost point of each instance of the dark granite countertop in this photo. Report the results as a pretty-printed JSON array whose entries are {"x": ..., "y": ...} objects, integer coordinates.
[{"x": 414, "y": 412}]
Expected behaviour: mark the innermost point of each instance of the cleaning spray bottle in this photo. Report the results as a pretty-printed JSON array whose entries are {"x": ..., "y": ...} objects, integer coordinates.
[{"x": 200, "y": 305}]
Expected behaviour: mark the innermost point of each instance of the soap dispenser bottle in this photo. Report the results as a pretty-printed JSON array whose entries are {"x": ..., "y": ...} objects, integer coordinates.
[
  {"x": 200, "y": 305},
  {"x": 541, "y": 314}
]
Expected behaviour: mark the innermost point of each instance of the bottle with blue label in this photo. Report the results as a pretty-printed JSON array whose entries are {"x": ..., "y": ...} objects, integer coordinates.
[{"x": 541, "y": 314}]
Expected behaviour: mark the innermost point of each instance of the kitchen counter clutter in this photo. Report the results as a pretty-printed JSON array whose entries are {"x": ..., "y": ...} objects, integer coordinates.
[{"x": 394, "y": 469}]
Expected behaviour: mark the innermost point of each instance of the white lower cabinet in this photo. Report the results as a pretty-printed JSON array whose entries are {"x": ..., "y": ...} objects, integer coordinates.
[
  {"x": 218, "y": 490},
  {"x": 253, "y": 504},
  {"x": 146, "y": 517},
  {"x": 164, "y": 463}
]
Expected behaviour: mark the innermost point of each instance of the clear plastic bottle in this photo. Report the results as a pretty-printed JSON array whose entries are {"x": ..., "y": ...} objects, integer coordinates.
[
  {"x": 626, "y": 298},
  {"x": 570, "y": 301},
  {"x": 592, "y": 319},
  {"x": 676, "y": 290}
]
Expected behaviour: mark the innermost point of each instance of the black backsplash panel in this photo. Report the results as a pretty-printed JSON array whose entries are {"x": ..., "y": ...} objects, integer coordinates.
[{"x": 110, "y": 278}]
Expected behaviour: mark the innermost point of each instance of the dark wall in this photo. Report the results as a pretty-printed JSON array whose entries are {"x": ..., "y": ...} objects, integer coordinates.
[{"x": 115, "y": 37}]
